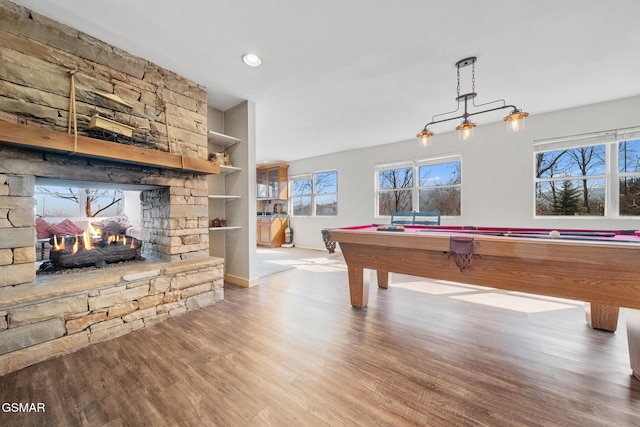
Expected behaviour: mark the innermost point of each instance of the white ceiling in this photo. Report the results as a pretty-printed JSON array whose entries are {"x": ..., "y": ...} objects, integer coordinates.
[{"x": 343, "y": 74}]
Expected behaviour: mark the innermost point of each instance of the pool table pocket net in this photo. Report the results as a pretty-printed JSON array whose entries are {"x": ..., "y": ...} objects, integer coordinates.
[{"x": 461, "y": 249}]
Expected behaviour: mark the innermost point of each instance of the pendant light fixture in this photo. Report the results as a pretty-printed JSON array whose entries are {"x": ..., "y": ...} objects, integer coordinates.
[{"x": 514, "y": 121}]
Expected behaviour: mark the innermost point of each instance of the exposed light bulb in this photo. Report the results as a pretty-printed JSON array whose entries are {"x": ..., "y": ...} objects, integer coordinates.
[
  {"x": 465, "y": 130},
  {"x": 515, "y": 121},
  {"x": 424, "y": 136}
]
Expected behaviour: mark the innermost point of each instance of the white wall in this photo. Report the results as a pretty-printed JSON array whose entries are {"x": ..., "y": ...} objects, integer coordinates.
[
  {"x": 132, "y": 207},
  {"x": 497, "y": 171},
  {"x": 240, "y": 267}
]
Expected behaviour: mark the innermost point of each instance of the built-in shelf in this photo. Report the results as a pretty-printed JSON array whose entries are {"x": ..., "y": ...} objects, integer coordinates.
[
  {"x": 221, "y": 139},
  {"x": 225, "y": 228},
  {"x": 218, "y": 202},
  {"x": 224, "y": 196},
  {"x": 225, "y": 169}
]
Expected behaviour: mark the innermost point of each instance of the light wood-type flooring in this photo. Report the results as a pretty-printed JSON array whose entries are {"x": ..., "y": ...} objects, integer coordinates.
[{"x": 293, "y": 352}]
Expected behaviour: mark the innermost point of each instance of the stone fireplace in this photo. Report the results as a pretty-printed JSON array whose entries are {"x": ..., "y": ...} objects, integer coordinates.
[
  {"x": 51, "y": 75},
  {"x": 44, "y": 316}
]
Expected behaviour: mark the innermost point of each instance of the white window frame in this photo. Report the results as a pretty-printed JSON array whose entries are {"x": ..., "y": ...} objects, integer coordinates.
[
  {"x": 610, "y": 140},
  {"x": 291, "y": 195},
  {"x": 313, "y": 193},
  {"x": 415, "y": 189},
  {"x": 376, "y": 186}
]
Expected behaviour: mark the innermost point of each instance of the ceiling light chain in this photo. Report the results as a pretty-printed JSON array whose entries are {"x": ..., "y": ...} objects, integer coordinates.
[
  {"x": 473, "y": 77},
  {"x": 514, "y": 121}
]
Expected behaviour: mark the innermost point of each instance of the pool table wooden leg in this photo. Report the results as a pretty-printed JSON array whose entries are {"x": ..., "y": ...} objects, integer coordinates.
[
  {"x": 601, "y": 316},
  {"x": 633, "y": 335},
  {"x": 383, "y": 279},
  {"x": 358, "y": 287}
]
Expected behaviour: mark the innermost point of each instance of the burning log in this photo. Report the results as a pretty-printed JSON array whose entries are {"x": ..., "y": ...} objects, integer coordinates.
[{"x": 73, "y": 252}]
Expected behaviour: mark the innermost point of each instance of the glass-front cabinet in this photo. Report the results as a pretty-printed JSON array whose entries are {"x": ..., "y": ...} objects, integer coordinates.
[
  {"x": 272, "y": 183},
  {"x": 261, "y": 176}
]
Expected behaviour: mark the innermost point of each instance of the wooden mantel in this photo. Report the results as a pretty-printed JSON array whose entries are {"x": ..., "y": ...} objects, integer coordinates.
[{"x": 48, "y": 140}]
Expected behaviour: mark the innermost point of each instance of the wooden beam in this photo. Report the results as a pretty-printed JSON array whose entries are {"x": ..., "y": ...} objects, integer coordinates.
[{"x": 48, "y": 140}]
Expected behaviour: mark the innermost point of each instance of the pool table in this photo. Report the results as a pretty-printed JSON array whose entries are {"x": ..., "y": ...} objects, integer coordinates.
[{"x": 600, "y": 267}]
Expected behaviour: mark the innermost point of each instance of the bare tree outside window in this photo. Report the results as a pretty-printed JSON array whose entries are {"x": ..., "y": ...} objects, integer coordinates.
[
  {"x": 546, "y": 166},
  {"x": 326, "y": 193},
  {"x": 571, "y": 181},
  {"x": 68, "y": 202},
  {"x": 317, "y": 195},
  {"x": 395, "y": 190},
  {"x": 440, "y": 188},
  {"x": 301, "y": 192},
  {"x": 590, "y": 161},
  {"x": 629, "y": 170}
]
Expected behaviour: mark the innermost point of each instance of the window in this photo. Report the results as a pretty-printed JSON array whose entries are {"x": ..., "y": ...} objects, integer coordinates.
[
  {"x": 315, "y": 194},
  {"x": 571, "y": 181},
  {"x": 578, "y": 175},
  {"x": 326, "y": 193},
  {"x": 301, "y": 195},
  {"x": 395, "y": 190},
  {"x": 64, "y": 202},
  {"x": 437, "y": 187},
  {"x": 629, "y": 175}
]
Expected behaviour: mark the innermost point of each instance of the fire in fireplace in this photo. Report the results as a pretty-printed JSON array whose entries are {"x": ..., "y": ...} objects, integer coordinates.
[
  {"x": 92, "y": 248},
  {"x": 102, "y": 224}
]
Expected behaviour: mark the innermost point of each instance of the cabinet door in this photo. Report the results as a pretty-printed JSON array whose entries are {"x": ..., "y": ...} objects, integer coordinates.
[
  {"x": 274, "y": 184},
  {"x": 284, "y": 183},
  {"x": 278, "y": 226},
  {"x": 261, "y": 178},
  {"x": 265, "y": 232},
  {"x": 258, "y": 230}
]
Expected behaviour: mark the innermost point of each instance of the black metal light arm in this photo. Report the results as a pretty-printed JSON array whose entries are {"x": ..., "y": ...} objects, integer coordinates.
[{"x": 465, "y": 115}]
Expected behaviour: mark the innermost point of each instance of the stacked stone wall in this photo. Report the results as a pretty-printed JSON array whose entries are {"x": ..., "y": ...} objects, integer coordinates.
[
  {"x": 41, "y": 329},
  {"x": 37, "y": 55},
  {"x": 17, "y": 230},
  {"x": 168, "y": 113},
  {"x": 181, "y": 231}
]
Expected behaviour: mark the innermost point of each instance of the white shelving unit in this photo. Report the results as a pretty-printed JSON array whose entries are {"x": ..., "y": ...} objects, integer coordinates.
[
  {"x": 222, "y": 140},
  {"x": 226, "y": 198},
  {"x": 218, "y": 197}
]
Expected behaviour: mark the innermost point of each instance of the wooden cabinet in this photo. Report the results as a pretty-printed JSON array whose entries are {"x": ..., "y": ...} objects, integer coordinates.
[
  {"x": 272, "y": 182},
  {"x": 283, "y": 182},
  {"x": 270, "y": 230},
  {"x": 261, "y": 177},
  {"x": 263, "y": 231}
]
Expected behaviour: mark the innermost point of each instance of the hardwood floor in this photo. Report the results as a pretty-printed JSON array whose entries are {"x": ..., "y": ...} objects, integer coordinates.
[{"x": 293, "y": 352}]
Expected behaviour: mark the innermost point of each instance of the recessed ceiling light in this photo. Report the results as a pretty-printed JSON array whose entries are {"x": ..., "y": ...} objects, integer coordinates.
[{"x": 251, "y": 59}]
